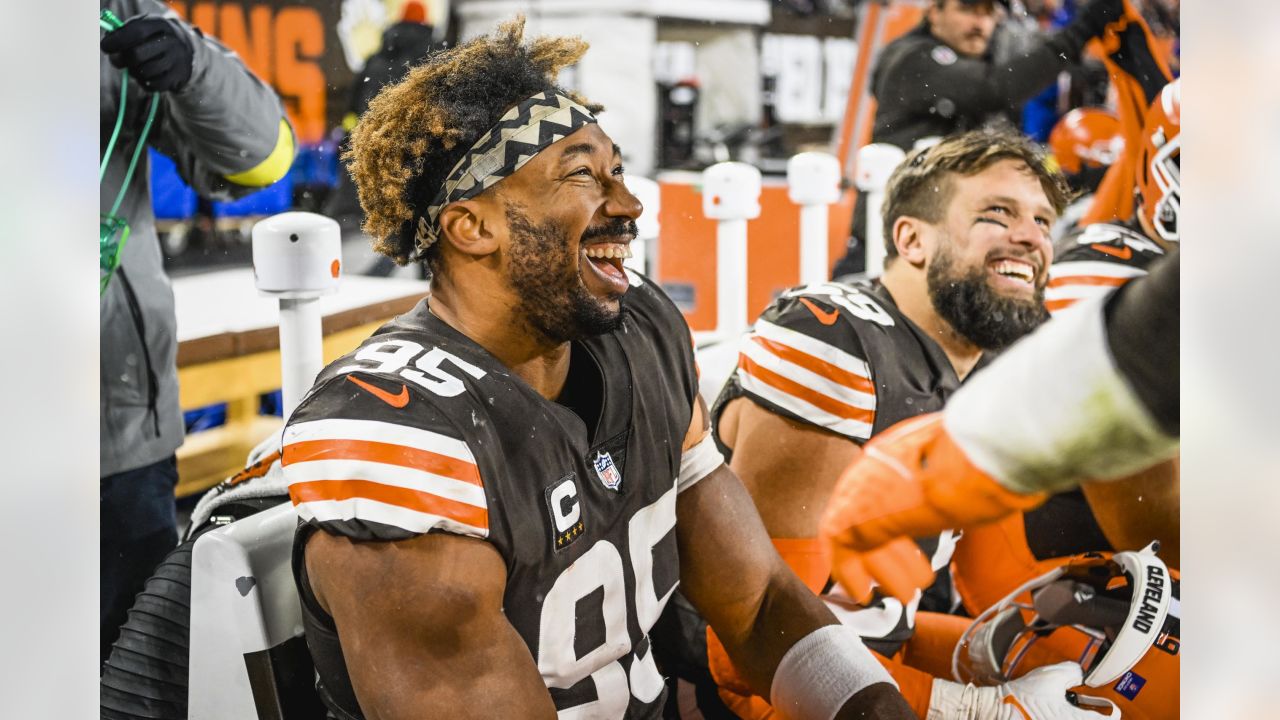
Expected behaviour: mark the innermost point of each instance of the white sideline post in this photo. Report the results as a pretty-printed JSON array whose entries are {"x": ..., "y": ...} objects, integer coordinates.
[
  {"x": 731, "y": 196},
  {"x": 644, "y": 247},
  {"x": 297, "y": 257},
  {"x": 876, "y": 163},
  {"x": 813, "y": 183}
]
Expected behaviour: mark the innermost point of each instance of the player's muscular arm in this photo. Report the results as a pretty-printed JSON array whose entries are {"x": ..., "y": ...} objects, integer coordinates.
[
  {"x": 759, "y": 609},
  {"x": 422, "y": 628},
  {"x": 1140, "y": 508},
  {"x": 788, "y": 467}
]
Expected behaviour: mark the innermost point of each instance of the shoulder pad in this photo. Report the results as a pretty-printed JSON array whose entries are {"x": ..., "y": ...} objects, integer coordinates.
[
  {"x": 804, "y": 358},
  {"x": 1095, "y": 261},
  {"x": 374, "y": 458},
  {"x": 1108, "y": 242}
]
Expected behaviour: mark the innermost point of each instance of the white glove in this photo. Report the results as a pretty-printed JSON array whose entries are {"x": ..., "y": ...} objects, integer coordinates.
[{"x": 1039, "y": 695}]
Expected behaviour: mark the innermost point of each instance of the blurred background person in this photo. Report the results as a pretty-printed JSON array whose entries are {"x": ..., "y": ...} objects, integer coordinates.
[
  {"x": 227, "y": 132},
  {"x": 405, "y": 43}
]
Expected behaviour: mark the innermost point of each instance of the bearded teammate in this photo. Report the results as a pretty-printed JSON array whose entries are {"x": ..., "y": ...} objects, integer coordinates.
[
  {"x": 829, "y": 366},
  {"x": 496, "y": 486}
]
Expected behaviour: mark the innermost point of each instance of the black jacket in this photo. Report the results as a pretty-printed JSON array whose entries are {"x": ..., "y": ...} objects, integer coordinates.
[
  {"x": 404, "y": 44},
  {"x": 924, "y": 88}
]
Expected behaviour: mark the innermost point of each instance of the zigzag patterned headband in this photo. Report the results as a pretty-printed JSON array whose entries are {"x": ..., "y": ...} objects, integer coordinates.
[{"x": 523, "y": 132}]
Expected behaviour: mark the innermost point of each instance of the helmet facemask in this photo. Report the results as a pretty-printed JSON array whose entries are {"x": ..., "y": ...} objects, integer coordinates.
[{"x": 1119, "y": 604}]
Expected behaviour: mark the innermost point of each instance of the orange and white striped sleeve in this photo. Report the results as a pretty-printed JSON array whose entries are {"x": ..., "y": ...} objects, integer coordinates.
[
  {"x": 370, "y": 479},
  {"x": 808, "y": 379},
  {"x": 1073, "y": 281}
]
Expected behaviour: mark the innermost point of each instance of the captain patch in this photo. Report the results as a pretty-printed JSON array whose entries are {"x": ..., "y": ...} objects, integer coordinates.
[{"x": 566, "y": 512}]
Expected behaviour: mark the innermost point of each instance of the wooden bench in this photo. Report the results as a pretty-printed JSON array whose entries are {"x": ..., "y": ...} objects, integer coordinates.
[{"x": 229, "y": 351}]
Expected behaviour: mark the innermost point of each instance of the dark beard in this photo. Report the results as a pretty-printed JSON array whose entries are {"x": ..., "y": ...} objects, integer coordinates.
[
  {"x": 981, "y": 315},
  {"x": 552, "y": 298}
]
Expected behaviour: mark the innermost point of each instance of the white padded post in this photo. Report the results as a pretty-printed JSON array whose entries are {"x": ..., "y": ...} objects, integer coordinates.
[
  {"x": 297, "y": 257},
  {"x": 813, "y": 183},
  {"x": 876, "y": 163},
  {"x": 731, "y": 196}
]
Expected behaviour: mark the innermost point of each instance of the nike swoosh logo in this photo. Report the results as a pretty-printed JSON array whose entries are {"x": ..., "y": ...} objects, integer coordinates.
[
  {"x": 395, "y": 401},
  {"x": 1123, "y": 253},
  {"x": 826, "y": 317}
]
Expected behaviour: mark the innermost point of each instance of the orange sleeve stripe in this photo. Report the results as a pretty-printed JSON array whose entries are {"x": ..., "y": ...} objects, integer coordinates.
[
  {"x": 1060, "y": 304},
  {"x": 255, "y": 470},
  {"x": 321, "y": 490},
  {"x": 386, "y": 453},
  {"x": 795, "y": 389},
  {"x": 816, "y": 365},
  {"x": 1097, "y": 280}
]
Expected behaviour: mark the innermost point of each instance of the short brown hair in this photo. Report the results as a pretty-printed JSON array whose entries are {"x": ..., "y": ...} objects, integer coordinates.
[{"x": 921, "y": 187}]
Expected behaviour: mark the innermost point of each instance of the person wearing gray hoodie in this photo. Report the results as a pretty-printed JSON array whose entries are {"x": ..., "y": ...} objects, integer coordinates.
[{"x": 188, "y": 96}]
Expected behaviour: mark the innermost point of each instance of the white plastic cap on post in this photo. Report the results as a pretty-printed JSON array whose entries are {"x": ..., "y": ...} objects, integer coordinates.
[
  {"x": 731, "y": 191},
  {"x": 297, "y": 255},
  {"x": 813, "y": 178},
  {"x": 876, "y": 163}
]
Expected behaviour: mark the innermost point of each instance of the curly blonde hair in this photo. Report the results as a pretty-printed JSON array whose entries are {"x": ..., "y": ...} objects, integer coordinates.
[{"x": 416, "y": 130}]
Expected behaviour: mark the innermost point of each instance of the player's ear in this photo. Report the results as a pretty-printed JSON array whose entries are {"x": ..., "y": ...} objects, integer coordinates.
[
  {"x": 908, "y": 238},
  {"x": 470, "y": 226}
]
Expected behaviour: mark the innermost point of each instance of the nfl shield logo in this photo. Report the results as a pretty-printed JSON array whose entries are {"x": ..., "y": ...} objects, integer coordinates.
[{"x": 606, "y": 470}]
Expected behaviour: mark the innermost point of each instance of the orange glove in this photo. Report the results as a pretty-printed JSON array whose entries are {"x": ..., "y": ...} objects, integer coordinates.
[{"x": 910, "y": 481}]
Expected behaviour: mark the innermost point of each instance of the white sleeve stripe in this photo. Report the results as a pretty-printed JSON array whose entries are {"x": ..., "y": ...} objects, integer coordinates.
[
  {"x": 357, "y": 509},
  {"x": 808, "y": 378},
  {"x": 698, "y": 462},
  {"x": 376, "y": 431},
  {"x": 385, "y": 474},
  {"x": 1093, "y": 267},
  {"x": 1076, "y": 292},
  {"x": 819, "y": 417},
  {"x": 814, "y": 347}
]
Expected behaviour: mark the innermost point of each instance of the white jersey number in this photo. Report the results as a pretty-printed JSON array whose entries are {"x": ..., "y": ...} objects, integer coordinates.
[
  {"x": 858, "y": 303},
  {"x": 599, "y": 571},
  {"x": 391, "y": 357}
]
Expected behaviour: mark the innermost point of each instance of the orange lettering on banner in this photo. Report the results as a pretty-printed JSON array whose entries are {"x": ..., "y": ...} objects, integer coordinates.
[
  {"x": 204, "y": 16},
  {"x": 299, "y": 44},
  {"x": 284, "y": 50},
  {"x": 254, "y": 47}
]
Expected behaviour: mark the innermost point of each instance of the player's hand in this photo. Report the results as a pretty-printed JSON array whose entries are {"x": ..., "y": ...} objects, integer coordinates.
[
  {"x": 158, "y": 52},
  {"x": 1042, "y": 695},
  {"x": 899, "y": 568},
  {"x": 911, "y": 481}
]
